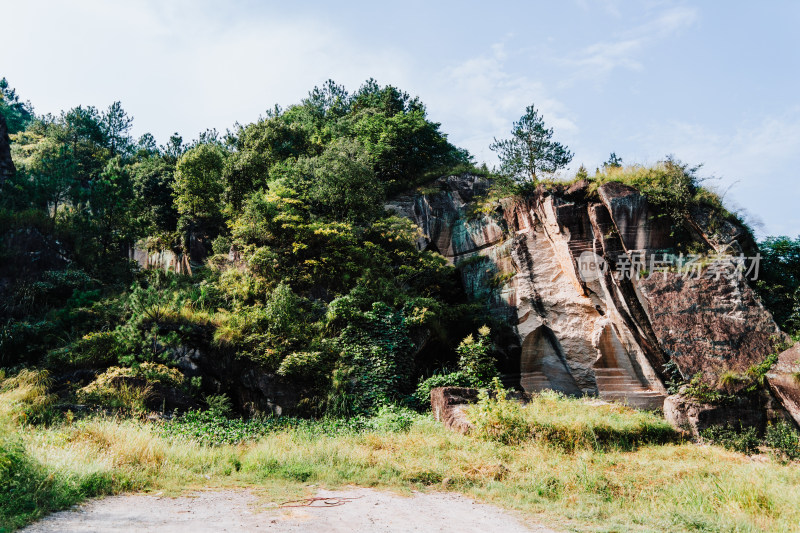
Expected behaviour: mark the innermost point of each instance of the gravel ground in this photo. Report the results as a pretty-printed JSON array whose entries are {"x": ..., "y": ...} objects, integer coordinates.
[{"x": 346, "y": 511}]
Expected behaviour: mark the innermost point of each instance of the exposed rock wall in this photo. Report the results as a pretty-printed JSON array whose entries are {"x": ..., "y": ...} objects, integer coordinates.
[
  {"x": 606, "y": 334},
  {"x": 784, "y": 381}
]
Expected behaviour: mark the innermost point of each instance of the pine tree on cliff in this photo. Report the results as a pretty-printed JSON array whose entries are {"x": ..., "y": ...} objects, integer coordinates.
[{"x": 531, "y": 150}]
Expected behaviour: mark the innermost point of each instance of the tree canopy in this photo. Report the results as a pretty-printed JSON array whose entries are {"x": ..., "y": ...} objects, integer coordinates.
[{"x": 530, "y": 152}]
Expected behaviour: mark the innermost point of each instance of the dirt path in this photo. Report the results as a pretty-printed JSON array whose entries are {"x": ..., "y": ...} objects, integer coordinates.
[{"x": 358, "y": 510}]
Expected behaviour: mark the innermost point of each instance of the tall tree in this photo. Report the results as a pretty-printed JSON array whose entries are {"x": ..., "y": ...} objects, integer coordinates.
[
  {"x": 198, "y": 182},
  {"x": 116, "y": 125},
  {"x": 614, "y": 161},
  {"x": 531, "y": 150},
  {"x": 17, "y": 114}
]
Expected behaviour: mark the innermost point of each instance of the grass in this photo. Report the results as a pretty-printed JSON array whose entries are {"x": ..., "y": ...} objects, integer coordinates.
[
  {"x": 620, "y": 484},
  {"x": 568, "y": 424}
]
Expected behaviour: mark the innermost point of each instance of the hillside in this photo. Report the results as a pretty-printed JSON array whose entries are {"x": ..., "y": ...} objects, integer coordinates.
[{"x": 318, "y": 272}]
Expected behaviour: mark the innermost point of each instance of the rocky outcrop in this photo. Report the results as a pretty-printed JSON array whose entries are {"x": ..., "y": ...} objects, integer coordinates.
[
  {"x": 252, "y": 389},
  {"x": 7, "y": 169},
  {"x": 560, "y": 266},
  {"x": 166, "y": 260},
  {"x": 448, "y": 404},
  {"x": 709, "y": 326},
  {"x": 784, "y": 381},
  {"x": 694, "y": 417}
]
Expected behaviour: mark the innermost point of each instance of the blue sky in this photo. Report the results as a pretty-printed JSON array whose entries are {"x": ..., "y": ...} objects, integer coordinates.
[{"x": 710, "y": 82}]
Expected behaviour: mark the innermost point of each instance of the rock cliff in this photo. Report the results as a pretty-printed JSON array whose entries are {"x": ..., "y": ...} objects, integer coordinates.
[
  {"x": 784, "y": 381},
  {"x": 572, "y": 270}
]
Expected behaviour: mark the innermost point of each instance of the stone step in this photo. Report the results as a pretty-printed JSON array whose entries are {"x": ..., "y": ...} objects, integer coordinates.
[
  {"x": 615, "y": 379},
  {"x": 609, "y": 372},
  {"x": 601, "y": 384},
  {"x": 624, "y": 393},
  {"x": 638, "y": 401}
]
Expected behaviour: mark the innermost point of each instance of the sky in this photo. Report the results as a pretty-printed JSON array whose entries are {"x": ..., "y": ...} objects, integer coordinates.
[{"x": 716, "y": 83}]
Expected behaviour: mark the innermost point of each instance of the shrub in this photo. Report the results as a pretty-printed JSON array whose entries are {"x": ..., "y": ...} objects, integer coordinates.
[
  {"x": 451, "y": 379},
  {"x": 743, "y": 440},
  {"x": 497, "y": 418},
  {"x": 121, "y": 395},
  {"x": 302, "y": 364},
  {"x": 129, "y": 389},
  {"x": 27, "y": 490},
  {"x": 476, "y": 368},
  {"x": 783, "y": 439},
  {"x": 25, "y": 397},
  {"x": 25, "y": 340},
  {"x": 475, "y": 359},
  {"x": 93, "y": 350},
  {"x": 377, "y": 361},
  {"x": 393, "y": 419},
  {"x": 221, "y": 245},
  {"x": 219, "y": 405}
]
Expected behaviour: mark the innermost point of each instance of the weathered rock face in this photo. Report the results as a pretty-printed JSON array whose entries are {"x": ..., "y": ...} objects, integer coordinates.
[
  {"x": 447, "y": 406},
  {"x": 694, "y": 417},
  {"x": 784, "y": 381},
  {"x": 584, "y": 331},
  {"x": 708, "y": 326},
  {"x": 252, "y": 390},
  {"x": 7, "y": 168}
]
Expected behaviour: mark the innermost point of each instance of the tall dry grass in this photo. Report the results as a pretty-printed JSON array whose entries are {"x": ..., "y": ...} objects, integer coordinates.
[{"x": 581, "y": 487}]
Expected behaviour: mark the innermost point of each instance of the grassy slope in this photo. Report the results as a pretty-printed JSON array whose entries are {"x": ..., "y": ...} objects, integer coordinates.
[{"x": 665, "y": 487}]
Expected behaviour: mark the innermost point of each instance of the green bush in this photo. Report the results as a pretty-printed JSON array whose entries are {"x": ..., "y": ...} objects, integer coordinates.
[
  {"x": 497, "y": 418},
  {"x": 743, "y": 440},
  {"x": 219, "y": 405},
  {"x": 450, "y": 379},
  {"x": 392, "y": 419},
  {"x": 784, "y": 439},
  {"x": 25, "y": 398},
  {"x": 376, "y": 359},
  {"x": 27, "y": 490},
  {"x": 476, "y": 368},
  {"x": 93, "y": 350},
  {"x": 129, "y": 388},
  {"x": 212, "y": 428},
  {"x": 475, "y": 359}
]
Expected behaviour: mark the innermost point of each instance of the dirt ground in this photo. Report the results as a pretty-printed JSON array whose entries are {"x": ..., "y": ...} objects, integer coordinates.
[{"x": 344, "y": 511}]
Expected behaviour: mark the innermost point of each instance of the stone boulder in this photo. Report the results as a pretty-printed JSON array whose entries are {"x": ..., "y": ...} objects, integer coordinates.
[
  {"x": 448, "y": 403},
  {"x": 784, "y": 381},
  {"x": 709, "y": 326},
  {"x": 692, "y": 417},
  {"x": 636, "y": 222}
]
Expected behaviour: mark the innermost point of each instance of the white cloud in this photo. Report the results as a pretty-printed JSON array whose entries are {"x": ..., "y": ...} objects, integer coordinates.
[
  {"x": 181, "y": 64},
  {"x": 745, "y": 160},
  {"x": 598, "y": 60},
  {"x": 479, "y": 98}
]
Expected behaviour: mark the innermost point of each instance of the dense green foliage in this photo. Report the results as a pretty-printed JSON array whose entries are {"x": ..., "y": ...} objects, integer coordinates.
[
  {"x": 17, "y": 114},
  {"x": 476, "y": 368},
  {"x": 779, "y": 281},
  {"x": 211, "y": 428},
  {"x": 297, "y": 270},
  {"x": 29, "y": 490},
  {"x": 780, "y": 439}
]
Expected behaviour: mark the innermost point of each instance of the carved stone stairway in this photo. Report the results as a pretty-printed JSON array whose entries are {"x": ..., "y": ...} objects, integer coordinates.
[{"x": 615, "y": 385}]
